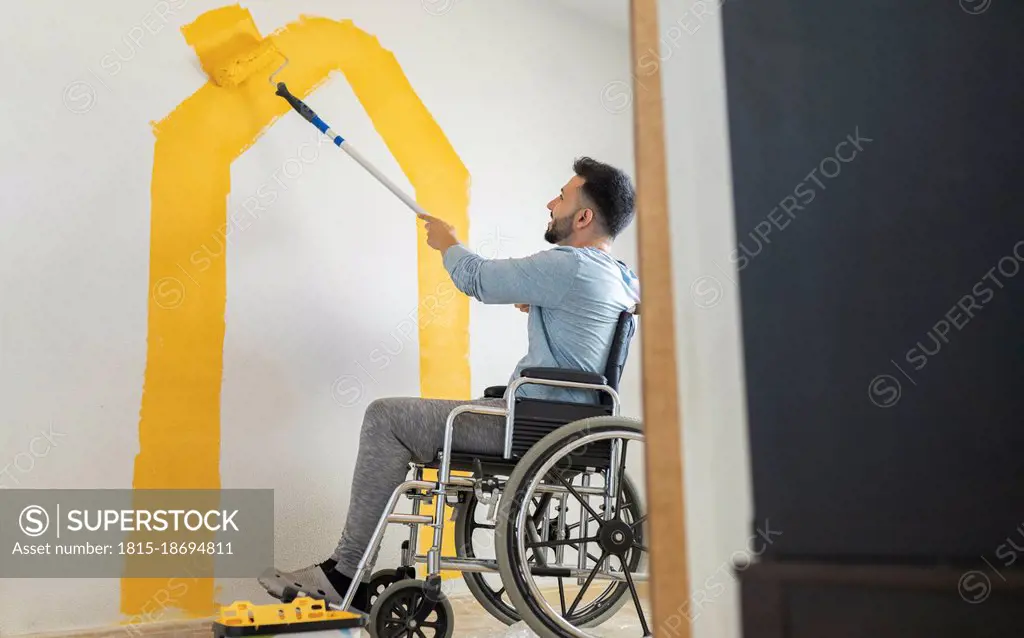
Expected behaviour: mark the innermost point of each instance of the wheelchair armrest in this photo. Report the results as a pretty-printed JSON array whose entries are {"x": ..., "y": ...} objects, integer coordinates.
[
  {"x": 564, "y": 374},
  {"x": 495, "y": 391}
]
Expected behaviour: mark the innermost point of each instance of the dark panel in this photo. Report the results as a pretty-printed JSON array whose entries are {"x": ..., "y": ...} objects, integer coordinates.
[
  {"x": 843, "y": 298},
  {"x": 853, "y": 612},
  {"x": 842, "y": 601}
]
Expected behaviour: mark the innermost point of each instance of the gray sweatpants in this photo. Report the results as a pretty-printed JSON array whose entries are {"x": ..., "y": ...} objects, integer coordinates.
[{"x": 395, "y": 432}]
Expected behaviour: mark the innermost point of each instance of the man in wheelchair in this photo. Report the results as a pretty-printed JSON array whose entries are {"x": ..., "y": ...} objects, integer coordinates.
[{"x": 575, "y": 295}]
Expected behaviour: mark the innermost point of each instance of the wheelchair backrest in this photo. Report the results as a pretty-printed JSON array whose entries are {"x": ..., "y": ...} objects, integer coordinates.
[{"x": 624, "y": 331}]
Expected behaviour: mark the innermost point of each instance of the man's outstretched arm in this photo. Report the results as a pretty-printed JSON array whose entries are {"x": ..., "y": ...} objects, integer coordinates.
[{"x": 541, "y": 279}]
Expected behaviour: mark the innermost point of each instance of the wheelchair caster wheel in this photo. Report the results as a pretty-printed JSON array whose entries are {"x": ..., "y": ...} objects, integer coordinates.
[
  {"x": 404, "y": 609},
  {"x": 380, "y": 581}
]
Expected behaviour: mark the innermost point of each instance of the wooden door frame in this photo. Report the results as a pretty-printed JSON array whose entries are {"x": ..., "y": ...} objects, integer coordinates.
[{"x": 669, "y": 564}]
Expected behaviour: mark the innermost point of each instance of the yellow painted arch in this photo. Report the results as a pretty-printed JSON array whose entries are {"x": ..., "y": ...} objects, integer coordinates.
[{"x": 179, "y": 426}]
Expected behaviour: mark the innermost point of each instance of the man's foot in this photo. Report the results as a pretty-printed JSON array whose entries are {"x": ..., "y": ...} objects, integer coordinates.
[{"x": 321, "y": 581}]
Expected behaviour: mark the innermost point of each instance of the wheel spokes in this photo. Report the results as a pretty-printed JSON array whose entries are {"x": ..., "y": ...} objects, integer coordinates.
[
  {"x": 579, "y": 498},
  {"x": 561, "y": 596},
  {"x": 541, "y": 512},
  {"x": 636, "y": 599},
  {"x": 589, "y": 580}
]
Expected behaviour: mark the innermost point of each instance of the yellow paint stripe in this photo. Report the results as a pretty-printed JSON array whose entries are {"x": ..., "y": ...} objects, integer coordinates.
[{"x": 179, "y": 427}]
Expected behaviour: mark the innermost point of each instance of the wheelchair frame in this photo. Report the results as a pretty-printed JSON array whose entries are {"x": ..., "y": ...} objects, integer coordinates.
[{"x": 447, "y": 485}]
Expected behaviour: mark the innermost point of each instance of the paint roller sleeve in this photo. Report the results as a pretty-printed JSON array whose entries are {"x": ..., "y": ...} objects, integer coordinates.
[{"x": 238, "y": 66}]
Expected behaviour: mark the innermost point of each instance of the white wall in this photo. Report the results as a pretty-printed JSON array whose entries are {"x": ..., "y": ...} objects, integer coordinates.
[
  {"x": 712, "y": 394},
  {"x": 313, "y": 286}
]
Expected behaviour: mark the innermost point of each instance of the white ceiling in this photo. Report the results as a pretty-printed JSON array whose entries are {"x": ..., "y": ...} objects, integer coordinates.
[{"x": 612, "y": 13}]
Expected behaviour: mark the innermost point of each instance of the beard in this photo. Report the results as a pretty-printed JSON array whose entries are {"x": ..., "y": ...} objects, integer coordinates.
[{"x": 560, "y": 230}]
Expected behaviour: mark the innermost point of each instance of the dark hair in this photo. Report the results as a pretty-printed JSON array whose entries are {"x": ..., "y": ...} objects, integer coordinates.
[{"x": 609, "y": 190}]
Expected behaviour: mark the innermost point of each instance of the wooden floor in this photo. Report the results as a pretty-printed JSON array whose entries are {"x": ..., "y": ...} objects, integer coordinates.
[{"x": 472, "y": 621}]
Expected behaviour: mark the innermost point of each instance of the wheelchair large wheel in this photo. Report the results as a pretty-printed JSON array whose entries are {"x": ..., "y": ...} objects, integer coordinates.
[
  {"x": 474, "y": 538},
  {"x": 612, "y": 540}
]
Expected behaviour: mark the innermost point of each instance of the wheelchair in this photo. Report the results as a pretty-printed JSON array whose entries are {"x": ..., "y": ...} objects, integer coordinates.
[{"x": 564, "y": 520}]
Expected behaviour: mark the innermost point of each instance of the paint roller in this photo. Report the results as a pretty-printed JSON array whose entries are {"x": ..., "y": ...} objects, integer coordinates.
[{"x": 239, "y": 67}]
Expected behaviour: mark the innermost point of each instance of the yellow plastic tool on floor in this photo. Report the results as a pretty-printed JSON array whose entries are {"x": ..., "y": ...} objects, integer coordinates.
[{"x": 306, "y": 615}]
